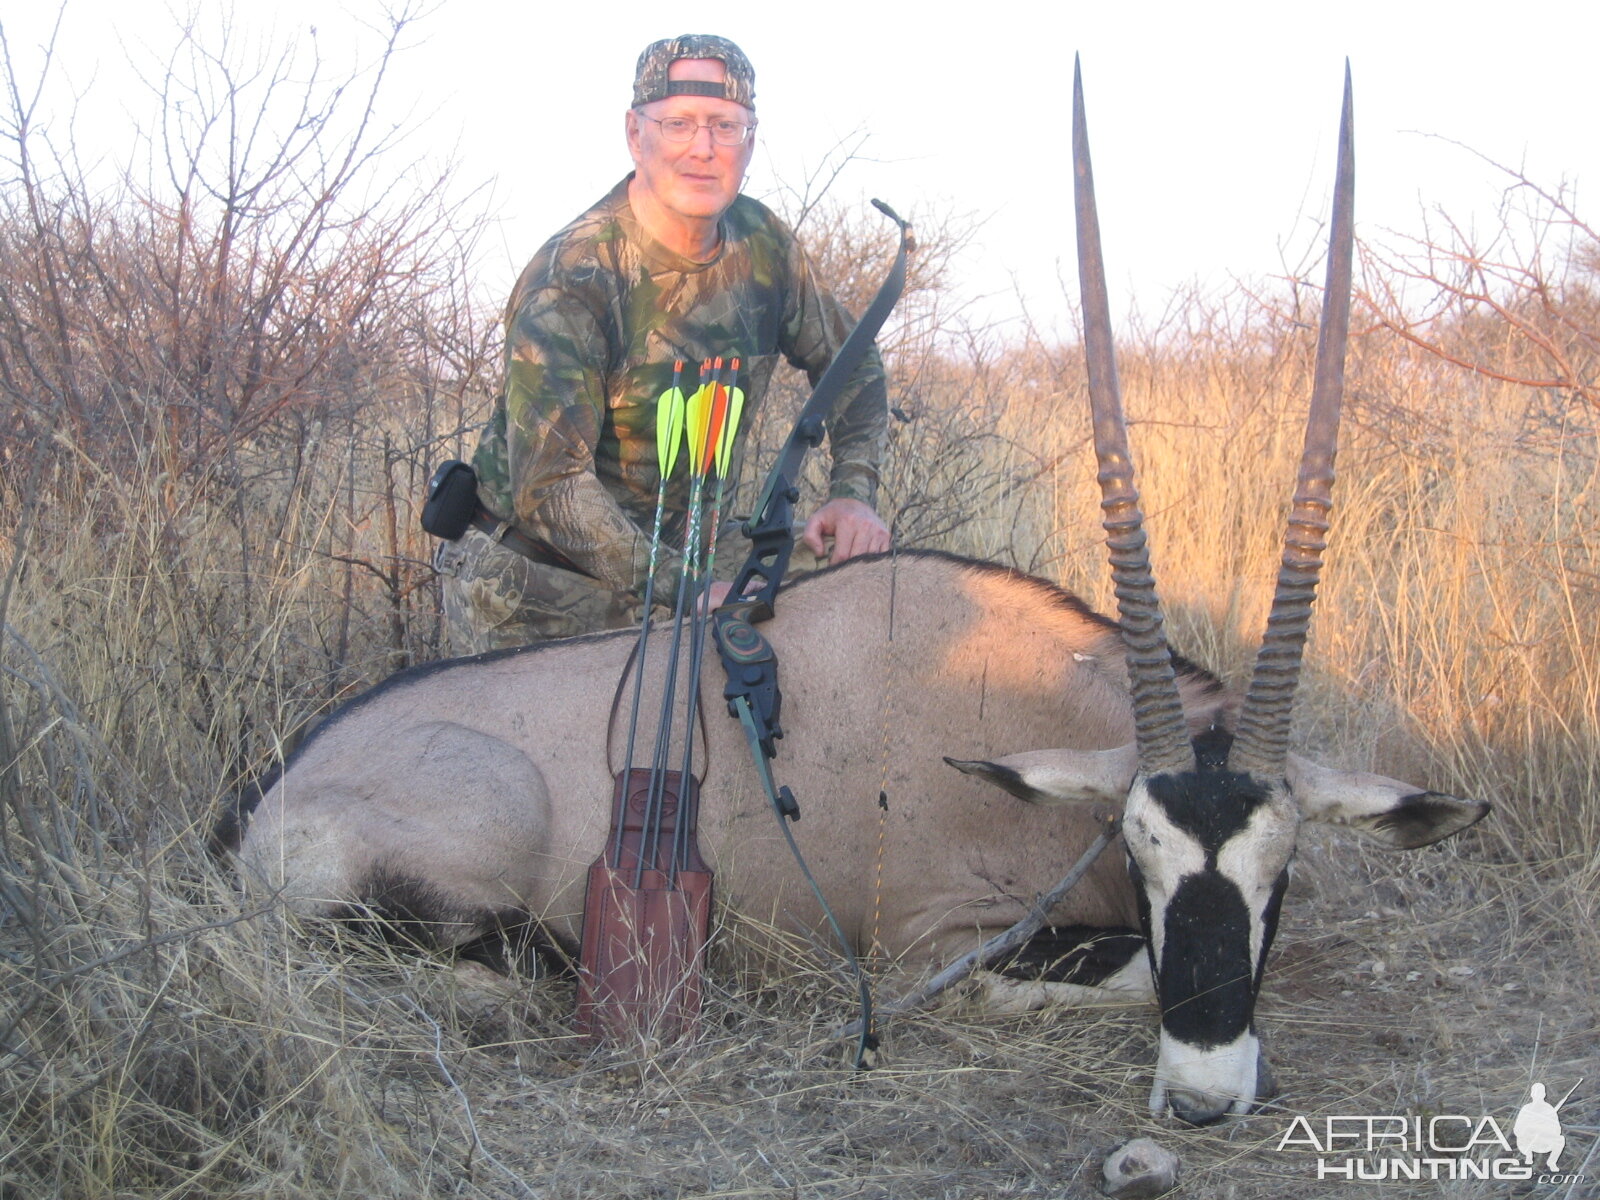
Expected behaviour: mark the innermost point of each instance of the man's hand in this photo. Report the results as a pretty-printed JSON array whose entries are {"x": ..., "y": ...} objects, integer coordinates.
[{"x": 853, "y": 526}]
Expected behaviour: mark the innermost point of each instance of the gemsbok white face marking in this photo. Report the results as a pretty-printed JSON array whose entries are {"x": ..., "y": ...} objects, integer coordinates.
[{"x": 1209, "y": 852}]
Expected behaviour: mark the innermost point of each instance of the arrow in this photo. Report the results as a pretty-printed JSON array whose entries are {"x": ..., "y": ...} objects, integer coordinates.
[
  {"x": 699, "y": 417},
  {"x": 716, "y": 418},
  {"x": 669, "y": 423},
  {"x": 730, "y": 427},
  {"x": 708, "y": 425},
  {"x": 733, "y": 401},
  {"x": 669, "y": 440}
]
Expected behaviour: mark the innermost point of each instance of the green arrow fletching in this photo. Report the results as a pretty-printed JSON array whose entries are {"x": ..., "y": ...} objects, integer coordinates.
[
  {"x": 698, "y": 416},
  {"x": 730, "y": 429},
  {"x": 669, "y": 429}
]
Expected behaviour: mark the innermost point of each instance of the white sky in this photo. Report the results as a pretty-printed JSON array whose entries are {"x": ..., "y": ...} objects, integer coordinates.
[{"x": 1212, "y": 123}]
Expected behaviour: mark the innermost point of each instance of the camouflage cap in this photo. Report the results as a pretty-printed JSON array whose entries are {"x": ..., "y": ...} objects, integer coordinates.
[{"x": 650, "y": 79}]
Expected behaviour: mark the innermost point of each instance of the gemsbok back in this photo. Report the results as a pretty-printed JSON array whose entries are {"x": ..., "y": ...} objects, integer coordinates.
[{"x": 466, "y": 796}]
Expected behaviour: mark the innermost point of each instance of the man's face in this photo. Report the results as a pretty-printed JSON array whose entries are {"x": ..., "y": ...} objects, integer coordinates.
[{"x": 696, "y": 179}]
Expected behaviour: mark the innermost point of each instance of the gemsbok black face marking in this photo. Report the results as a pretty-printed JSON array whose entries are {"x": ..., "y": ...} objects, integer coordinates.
[{"x": 1208, "y": 853}]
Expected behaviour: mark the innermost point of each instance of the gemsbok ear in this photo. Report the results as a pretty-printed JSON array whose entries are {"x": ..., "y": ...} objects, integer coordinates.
[
  {"x": 1060, "y": 776},
  {"x": 1393, "y": 814}
]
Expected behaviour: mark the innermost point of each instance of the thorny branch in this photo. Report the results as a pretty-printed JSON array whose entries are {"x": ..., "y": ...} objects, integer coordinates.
[{"x": 1522, "y": 308}]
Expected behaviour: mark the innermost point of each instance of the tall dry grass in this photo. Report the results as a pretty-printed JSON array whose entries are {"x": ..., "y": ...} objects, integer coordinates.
[
  {"x": 159, "y": 1041},
  {"x": 194, "y": 573}
]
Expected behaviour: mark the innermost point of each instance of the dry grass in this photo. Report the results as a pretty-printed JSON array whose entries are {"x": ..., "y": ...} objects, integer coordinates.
[
  {"x": 252, "y": 1059},
  {"x": 158, "y": 1041},
  {"x": 181, "y": 599}
]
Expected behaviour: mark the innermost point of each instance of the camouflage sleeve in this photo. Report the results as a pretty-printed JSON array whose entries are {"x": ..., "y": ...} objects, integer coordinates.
[
  {"x": 815, "y": 326},
  {"x": 556, "y": 355}
]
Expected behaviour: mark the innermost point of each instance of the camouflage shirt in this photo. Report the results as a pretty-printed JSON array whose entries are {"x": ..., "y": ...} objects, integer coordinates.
[{"x": 593, "y": 328}]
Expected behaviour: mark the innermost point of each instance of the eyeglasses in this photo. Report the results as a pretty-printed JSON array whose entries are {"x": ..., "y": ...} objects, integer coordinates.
[{"x": 682, "y": 129}]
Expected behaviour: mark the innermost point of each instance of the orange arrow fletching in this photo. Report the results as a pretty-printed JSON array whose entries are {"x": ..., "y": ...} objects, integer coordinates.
[{"x": 716, "y": 426}]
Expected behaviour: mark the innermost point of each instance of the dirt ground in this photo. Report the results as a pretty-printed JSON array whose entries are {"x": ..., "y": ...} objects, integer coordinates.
[{"x": 1415, "y": 985}]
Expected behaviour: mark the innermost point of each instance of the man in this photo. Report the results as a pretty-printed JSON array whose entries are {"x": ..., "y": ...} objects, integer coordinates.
[{"x": 673, "y": 265}]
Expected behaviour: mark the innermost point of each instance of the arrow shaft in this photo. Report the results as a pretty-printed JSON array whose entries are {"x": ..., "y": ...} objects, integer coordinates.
[
  {"x": 687, "y": 580},
  {"x": 669, "y": 432}
]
